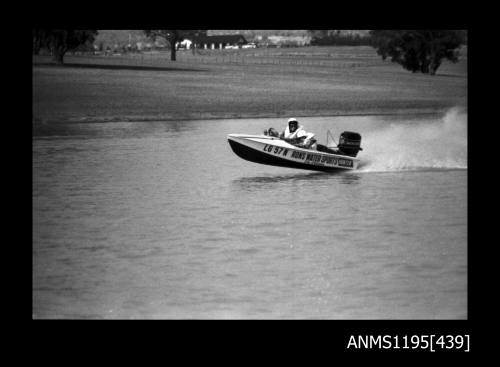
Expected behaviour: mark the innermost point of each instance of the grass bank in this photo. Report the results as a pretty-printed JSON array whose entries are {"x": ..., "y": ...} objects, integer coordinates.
[{"x": 300, "y": 82}]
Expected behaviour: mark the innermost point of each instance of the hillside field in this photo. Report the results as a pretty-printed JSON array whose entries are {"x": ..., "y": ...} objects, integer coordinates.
[{"x": 306, "y": 81}]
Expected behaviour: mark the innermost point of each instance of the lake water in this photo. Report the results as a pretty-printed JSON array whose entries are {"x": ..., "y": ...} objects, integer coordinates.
[{"x": 163, "y": 220}]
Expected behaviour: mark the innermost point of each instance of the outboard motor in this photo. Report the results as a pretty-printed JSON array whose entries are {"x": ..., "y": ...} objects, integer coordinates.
[{"x": 349, "y": 143}]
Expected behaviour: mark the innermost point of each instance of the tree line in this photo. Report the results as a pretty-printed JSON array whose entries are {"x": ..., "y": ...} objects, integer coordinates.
[
  {"x": 415, "y": 50},
  {"x": 325, "y": 37}
]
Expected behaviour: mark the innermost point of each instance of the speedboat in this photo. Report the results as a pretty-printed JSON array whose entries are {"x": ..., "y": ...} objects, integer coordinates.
[{"x": 272, "y": 150}]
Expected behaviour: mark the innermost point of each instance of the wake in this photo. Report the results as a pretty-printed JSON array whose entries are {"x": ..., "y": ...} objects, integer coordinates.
[{"x": 431, "y": 144}]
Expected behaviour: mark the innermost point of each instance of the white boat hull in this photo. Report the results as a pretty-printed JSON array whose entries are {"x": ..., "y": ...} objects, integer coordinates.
[{"x": 277, "y": 152}]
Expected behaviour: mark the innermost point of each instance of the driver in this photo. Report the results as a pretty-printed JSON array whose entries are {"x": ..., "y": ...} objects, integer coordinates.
[{"x": 295, "y": 133}]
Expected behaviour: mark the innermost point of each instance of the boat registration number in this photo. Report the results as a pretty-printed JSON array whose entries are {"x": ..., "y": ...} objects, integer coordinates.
[{"x": 276, "y": 150}]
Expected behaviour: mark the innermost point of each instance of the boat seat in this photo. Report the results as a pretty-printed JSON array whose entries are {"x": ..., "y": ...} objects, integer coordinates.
[{"x": 325, "y": 149}]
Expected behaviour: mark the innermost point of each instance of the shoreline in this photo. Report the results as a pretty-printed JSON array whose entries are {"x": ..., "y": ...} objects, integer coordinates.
[{"x": 196, "y": 116}]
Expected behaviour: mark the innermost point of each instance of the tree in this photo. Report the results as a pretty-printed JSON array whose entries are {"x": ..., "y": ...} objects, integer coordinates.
[
  {"x": 59, "y": 41},
  {"x": 418, "y": 50},
  {"x": 38, "y": 40},
  {"x": 173, "y": 36}
]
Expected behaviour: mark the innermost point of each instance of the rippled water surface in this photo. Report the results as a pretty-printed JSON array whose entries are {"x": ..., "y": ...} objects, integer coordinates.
[{"x": 163, "y": 220}]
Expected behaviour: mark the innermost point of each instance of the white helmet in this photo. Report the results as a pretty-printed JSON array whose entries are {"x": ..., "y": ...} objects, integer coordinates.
[{"x": 293, "y": 120}]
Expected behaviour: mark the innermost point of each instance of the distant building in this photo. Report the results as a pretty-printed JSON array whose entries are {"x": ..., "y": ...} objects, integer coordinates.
[
  {"x": 185, "y": 44},
  {"x": 217, "y": 42}
]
